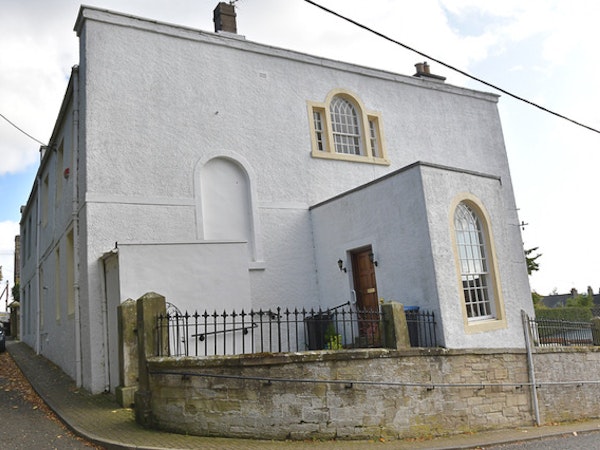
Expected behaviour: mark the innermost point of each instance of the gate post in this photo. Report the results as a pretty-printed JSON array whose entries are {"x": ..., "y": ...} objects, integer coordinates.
[
  {"x": 395, "y": 326},
  {"x": 148, "y": 306},
  {"x": 128, "y": 353},
  {"x": 15, "y": 320},
  {"x": 596, "y": 330}
]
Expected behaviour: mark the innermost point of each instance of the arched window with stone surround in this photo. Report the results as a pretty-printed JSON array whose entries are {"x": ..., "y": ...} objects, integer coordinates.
[
  {"x": 474, "y": 264},
  {"x": 343, "y": 129}
]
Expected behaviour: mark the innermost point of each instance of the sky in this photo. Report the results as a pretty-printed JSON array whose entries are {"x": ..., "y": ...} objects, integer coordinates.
[{"x": 542, "y": 50}]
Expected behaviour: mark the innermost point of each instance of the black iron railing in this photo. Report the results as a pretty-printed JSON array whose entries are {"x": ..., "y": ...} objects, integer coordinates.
[
  {"x": 421, "y": 328},
  {"x": 282, "y": 330},
  {"x": 552, "y": 332}
]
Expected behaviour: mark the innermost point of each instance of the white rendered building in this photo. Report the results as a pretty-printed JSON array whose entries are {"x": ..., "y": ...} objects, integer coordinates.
[{"x": 224, "y": 173}]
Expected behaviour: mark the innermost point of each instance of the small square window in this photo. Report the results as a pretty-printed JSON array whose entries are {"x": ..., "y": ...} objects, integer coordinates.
[
  {"x": 373, "y": 138},
  {"x": 319, "y": 129}
]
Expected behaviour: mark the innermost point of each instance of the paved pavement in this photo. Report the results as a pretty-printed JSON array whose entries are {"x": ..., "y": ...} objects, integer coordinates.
[
  {"x": 101, "y": 420},
  {"x": 25, "y": 420}
]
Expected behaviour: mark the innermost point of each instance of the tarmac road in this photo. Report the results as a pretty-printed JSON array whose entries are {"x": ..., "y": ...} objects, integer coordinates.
[
  {"x": 25, "y": 420},
  {"x": 568, "y": 441}
]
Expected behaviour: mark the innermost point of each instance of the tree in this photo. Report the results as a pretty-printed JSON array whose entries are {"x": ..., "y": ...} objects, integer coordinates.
[
  {"x": 537, "y": 300},
  {"x": 532, "y": 265},
  {"x": 16, "y": 293},
  {"x": 581, "y": 300}
]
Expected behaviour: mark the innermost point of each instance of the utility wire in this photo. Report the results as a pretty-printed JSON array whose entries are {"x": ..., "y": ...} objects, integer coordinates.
[
  {"x": 25, "y": 133},
  {"x": 377, "y": 33},
  {"x": 381, "y": 35}
]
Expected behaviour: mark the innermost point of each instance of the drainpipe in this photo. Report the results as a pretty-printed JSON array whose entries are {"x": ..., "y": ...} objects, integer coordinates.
[
  {"x": 75, "y": 219},
  {"x": 105, "y": 331},
  {"x": 534, "y": 397},
  {"x": 38, "y": 226}
]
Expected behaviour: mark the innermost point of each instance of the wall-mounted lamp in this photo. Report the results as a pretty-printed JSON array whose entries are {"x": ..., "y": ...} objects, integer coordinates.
[
  {"x": 372, "y": 259},
  {"x": 341, "y": 266}
]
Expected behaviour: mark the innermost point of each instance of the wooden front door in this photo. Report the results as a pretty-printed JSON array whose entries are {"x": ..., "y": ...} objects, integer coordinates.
[{"x": 365, "y": 286}]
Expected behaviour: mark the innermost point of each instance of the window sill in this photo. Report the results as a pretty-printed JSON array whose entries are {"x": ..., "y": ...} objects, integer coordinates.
[
  {"x": 481, "y": 326},
  {"x": 351, "y": 158}
]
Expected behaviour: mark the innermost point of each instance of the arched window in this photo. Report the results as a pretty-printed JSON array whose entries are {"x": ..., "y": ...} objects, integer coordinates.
[
  {"x": 474, "y": 263},
  {"x": 343, "y": 129},
  {"x": 347, "y": 135}
]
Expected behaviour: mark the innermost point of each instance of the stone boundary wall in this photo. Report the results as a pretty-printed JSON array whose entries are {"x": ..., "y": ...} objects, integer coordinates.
[
  {"x": 412, "y": 393},
  {"x": 353, "y": 394},
  {"x": 568, "y": 380},
  {"x": 408, "y": 393}
]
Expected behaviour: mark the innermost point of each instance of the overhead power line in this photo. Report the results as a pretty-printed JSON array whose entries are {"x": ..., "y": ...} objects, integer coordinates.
[
  {"x": 462, "y": 72},
  {"x": 24, "y": 132}
]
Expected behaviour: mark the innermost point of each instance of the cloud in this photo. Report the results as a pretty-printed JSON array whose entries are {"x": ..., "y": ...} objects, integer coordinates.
[{"x": 35, "y": 61}]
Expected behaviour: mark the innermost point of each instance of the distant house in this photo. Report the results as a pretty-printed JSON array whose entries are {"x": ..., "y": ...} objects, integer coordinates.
[
  {"x": 558, "y": 300},
  {"x": 223, "y": 173}
]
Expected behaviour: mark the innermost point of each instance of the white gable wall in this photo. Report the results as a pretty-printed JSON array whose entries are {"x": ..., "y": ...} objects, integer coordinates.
[{"x": 179, "y": 95}]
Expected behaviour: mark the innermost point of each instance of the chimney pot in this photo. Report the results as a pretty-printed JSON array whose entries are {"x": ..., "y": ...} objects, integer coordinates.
[
  {"x": 224, "y": 18},
  {"x": 423, "y": 71}
]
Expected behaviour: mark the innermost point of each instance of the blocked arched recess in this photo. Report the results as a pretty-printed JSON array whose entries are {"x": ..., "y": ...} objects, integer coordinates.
[{"x": 225, "y": 201}]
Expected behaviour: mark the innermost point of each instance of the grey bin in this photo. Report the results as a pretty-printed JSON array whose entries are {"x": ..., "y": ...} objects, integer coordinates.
[
  {"x": 316, "y": 328},
  {"x": 412, "y": 322}
]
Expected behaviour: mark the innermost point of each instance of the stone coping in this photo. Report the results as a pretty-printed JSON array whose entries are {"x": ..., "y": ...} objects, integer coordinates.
[{"x": 270, "y": 359}]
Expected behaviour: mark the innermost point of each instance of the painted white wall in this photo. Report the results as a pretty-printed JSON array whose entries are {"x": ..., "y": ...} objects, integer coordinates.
[
  {"x": 407, "y": 218},
  {"x": 390, "y": 216},
  {"x": 113, "y": 300},
  {"x": 48, "y": 324},
  {"x": 29, "y": 274},
  {"x": 441, "y": 189},
  {"x": 194, "y": 276}
]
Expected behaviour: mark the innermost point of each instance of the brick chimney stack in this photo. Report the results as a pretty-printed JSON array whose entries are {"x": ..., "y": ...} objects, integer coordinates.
[
  {"x": 424, "y": 71},
  {"x": 224, "y": 18}
]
